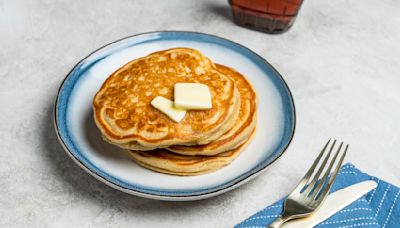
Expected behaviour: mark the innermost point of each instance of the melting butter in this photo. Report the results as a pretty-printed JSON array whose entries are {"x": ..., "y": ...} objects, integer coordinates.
[
  {"x": 192, "y": 96},
  {"x": 167, "y": 107}
]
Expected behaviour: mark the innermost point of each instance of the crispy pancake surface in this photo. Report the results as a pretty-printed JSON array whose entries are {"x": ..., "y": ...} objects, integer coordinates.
[
  {"x": 123, "y": 113},
  {"x": 244, "y": 124}
]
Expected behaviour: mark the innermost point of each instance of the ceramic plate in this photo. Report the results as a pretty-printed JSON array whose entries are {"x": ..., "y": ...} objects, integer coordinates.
[{"x": 81, "y": 139}]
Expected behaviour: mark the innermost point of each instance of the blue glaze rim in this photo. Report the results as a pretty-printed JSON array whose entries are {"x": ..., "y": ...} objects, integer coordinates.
[{"x": 68, "y": 84}]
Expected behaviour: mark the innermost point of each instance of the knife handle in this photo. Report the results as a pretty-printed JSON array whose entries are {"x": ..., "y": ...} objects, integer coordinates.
[
  {"x": 276, "y": 223},
  {"x": 279, "y": 221}
]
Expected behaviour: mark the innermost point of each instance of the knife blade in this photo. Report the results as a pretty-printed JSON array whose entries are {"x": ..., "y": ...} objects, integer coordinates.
[{"x": 334, "y": 202}]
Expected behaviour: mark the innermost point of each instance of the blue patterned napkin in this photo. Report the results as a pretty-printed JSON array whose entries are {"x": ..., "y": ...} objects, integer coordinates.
[{"x": 378, "y": 208}]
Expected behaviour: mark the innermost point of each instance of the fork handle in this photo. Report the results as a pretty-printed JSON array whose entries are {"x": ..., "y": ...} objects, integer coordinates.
[{"x": 279, "y": 221}]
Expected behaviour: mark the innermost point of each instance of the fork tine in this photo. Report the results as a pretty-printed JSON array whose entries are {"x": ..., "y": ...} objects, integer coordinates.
[
  {"x": 338, "y": 166},
  {"x": 333, "y": 177},
  {"x": 310, "y": 171},
  {"x": 313, "y": 182},
  {"x": 299, "y": 204},
  {"x": 326, "y": 175}
]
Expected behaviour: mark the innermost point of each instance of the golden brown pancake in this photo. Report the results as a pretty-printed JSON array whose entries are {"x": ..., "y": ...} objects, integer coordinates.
[
  {"x": 123, "y": 113},
  {"x": 160, "y": 160},
  {"x": 244, "y": 124},
  {"x": 229, "y": 122}
]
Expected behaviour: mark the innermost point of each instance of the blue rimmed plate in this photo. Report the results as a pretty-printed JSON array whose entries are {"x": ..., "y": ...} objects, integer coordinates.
[{"x": 73, "y": 118}]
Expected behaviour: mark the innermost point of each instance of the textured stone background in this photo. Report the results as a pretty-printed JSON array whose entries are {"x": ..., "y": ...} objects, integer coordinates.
[{"x": 341, "y": 61}]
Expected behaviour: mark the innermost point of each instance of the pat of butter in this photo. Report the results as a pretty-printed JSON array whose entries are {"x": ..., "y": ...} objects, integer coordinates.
[
  {"x": 192, "y": 96},
  {"x": 167, "y": 107}
]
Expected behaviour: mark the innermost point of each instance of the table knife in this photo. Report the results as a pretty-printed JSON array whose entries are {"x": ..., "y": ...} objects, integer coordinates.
[{"x": 334, "y": 203}]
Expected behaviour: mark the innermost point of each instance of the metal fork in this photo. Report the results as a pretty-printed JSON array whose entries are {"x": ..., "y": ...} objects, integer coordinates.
[{"x": 311, "y": 192}]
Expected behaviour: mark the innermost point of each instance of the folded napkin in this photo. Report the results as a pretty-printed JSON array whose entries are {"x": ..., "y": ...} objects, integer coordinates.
[{"x": 378, "y": 208}]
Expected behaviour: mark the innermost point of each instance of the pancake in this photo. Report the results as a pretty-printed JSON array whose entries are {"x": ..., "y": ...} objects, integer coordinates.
[
  {"x": 243, "y": 127},
  {"x": 160, "y": 160},
  {"x": 229, "y": 122},
  {"x": 123, "y": 113}
]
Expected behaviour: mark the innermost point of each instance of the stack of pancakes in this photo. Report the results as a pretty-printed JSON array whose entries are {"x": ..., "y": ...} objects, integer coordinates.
[{"x": 204, "y": 141}]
